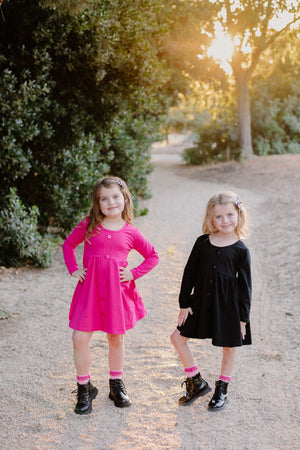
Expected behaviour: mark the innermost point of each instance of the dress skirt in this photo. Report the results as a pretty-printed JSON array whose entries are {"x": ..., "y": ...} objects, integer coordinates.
[
  {"x": 102, "y": 302},
  {"x": 220, "y": 281}
]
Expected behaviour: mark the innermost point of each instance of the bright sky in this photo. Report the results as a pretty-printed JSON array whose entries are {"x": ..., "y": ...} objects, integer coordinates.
[{"x": 222, "y": 47}]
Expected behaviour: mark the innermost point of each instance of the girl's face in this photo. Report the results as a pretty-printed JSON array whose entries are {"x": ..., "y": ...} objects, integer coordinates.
[
  {"x": 225, "y": 218},
  {"x": 111, "y": 202}
]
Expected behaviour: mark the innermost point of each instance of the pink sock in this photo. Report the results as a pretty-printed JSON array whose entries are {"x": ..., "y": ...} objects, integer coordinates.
[
  {"x": 191, "y": 371},
  {"x": 83, "y": 379},
  {"x": 115, "y": 375},
  {"x": 224, "y": 378}
]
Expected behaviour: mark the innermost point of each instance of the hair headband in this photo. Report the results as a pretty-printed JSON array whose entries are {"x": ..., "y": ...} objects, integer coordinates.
[
  {"x": 121, "y": 183},
  {"x": 239, "y": 204}
]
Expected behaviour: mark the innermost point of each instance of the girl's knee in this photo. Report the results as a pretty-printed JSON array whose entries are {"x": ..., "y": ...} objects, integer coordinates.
[
  {"x": 80, "y": 338},
  {"x": 229, "y": 353},
  {"x": 229, "y": 350},
  {"x": 115, "y": 339},
  {"x": 173, "y": 337},
  {"x": 178, "y": 340}
]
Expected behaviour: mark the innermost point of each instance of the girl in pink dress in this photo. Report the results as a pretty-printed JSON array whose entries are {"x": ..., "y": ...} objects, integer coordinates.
[{"x": 106, "y": 298}]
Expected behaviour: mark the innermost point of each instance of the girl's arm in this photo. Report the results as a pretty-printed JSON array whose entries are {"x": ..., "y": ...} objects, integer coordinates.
[
  {"x": 73, "y": 240},
  {"x": 245, "y": 286},
  {"x": 189, "y": 276},
  {"x": 147, "y": 251}
]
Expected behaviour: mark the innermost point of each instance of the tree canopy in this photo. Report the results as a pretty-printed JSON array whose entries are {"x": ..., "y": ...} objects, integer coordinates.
[
  {"x": 81, "y": 96},
  {"x": 253, "y": 27},
  {"x": 86, "y": 86}
]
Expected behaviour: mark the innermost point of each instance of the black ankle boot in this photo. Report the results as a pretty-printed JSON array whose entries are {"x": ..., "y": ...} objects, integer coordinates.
[
  {"x": 85, "y": 395},
  {"x": 196, "y": 387},
  {"x": 118, "y": 393},
  {"x": 220, "y": 397}
]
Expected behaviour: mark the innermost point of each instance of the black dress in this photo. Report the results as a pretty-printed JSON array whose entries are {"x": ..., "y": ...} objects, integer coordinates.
[{"x": 216, "y": 284}]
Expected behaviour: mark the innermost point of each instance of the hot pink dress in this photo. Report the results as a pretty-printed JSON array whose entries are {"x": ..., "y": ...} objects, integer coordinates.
[{"x": 102, "y": 302}]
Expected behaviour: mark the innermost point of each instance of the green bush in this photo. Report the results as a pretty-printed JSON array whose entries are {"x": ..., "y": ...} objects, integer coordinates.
[
  {"x": 276, "y": 107},
  {"x": 20, "y": 242},
  {"x": 80, "y": 95},
  {"x": 217, "y": 135}
]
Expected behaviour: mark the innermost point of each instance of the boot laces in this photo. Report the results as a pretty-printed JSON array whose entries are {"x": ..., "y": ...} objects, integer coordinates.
[
  {"x": 118, "y": 383},
  {"x": 189, "y": 385},
  {"x": 80, "y": 390}
]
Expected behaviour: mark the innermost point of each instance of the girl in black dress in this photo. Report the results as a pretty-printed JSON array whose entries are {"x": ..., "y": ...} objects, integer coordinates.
[{"x": 215, "y": 296}]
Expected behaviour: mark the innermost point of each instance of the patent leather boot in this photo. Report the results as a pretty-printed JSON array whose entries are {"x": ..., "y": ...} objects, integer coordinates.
[
  {"x": 85, "y": 395},
  {"x": 118, "y": 393},
  {"x": 220, "y": 397},
  {"x": 196, "y": 387}
]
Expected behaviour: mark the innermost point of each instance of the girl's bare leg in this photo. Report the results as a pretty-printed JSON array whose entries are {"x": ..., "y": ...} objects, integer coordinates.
[
  {"x": 195, "y": 385},
  {"x": 228, "y": 361},
  {"x": 82, "y": 355},
  {"x": 116, "y": 352},
  {"x": 183, "y": 349},
  {"x": 220, "y": 397}
]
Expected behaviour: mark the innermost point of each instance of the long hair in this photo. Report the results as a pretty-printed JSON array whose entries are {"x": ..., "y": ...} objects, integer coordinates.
[
  {"x": 225, "y": 198},
  {"x": 95, "y": 214}
]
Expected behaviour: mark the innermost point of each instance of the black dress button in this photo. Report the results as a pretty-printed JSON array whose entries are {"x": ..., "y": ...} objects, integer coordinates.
[
  {"x": 219, "y": 252},
  {"x": 214, "y": 267}
]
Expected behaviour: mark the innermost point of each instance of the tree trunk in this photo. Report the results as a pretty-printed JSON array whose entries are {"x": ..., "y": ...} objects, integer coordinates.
[{"x": 243, "y": 99}]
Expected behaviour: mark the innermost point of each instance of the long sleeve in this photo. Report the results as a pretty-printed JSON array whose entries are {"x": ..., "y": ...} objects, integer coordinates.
[
  {"x": 189, "y": 277},
  {"x": 143, "y": 246},
  {"x": 245, "y": 289},
  {"x": 73, "y": 240}
]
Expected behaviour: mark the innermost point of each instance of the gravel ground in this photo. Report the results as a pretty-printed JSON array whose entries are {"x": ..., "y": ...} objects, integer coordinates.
[{"x": 37, "y": 374}]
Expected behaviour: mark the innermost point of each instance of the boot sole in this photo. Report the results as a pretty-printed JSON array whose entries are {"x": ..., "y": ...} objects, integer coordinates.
[
  {"x": 211, "y": 408},
  {"x": 201, "y": 394},
  {"x": 92, "y": 397},
  {"x": 119, "y": 405}
]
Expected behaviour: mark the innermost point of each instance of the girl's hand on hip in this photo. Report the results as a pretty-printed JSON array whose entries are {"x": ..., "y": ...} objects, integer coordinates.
[
  {"x": 183, "y": 314},
  {"x": 125, "y": 274},
  {"x": 79, "y": 274},
  {"x": 243, "y": 329}
]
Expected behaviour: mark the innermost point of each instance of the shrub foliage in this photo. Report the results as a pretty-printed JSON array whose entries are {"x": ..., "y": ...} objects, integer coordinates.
[
  {"x": 20, "y": 243},
  {"x": 80, "y": 96}
]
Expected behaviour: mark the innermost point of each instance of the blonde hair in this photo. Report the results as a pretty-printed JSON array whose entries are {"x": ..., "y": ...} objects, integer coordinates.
[
  {"x": 225, "y": 198},
  {"x": 95, "y": 214}
]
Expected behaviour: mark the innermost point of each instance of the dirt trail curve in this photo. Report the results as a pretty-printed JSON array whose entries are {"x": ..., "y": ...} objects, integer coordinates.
[{"x": 37, "y": 374}]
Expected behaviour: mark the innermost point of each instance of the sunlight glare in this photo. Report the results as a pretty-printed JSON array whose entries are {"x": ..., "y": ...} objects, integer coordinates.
[
  {"x": 221, "y": 50},
  {"x": 280, "y": 21}
]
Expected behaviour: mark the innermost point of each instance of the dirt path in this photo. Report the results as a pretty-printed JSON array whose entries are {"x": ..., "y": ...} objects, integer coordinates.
[{"x": 37, "y": 374}]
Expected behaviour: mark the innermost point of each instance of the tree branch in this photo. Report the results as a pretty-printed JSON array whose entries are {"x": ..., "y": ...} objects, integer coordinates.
[
  {"x": 275, "y": 35},
  {"x": 267, "y": 19},
  {"x": 261, "y": 48},
  {"x": 229, "y": 15}
]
